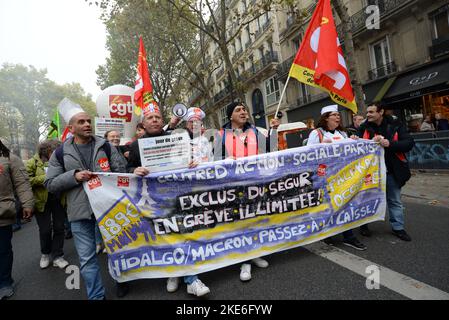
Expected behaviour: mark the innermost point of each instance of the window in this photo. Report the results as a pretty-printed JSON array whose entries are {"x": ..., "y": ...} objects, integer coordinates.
[
  {"x": 441, "y": 24},
  {"x": 223, "y": 118},
  {"x": 272, "y": 91},
  {"x": 381, "y": 63}
]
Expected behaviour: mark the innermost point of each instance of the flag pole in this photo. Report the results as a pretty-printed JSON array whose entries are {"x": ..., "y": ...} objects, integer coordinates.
[
  {"x": 282, "y": 96},
  {"x": 280, "y": 101}
]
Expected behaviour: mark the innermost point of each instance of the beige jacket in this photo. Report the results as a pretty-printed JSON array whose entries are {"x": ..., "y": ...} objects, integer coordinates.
[{"x": 13, "y": 177}]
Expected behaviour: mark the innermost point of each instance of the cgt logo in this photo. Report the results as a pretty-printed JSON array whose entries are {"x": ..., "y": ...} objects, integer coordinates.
[
  {"x": 121, "y": 107},
  {"x": 122, "y": 181},
  {"x": 94, "y": 182},
  {"x": 104, "y": 164}
]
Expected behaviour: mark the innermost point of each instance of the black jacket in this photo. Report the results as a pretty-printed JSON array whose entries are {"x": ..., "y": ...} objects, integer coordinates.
[
  {"x": 134, "y": 154},
  {"x": 388, "y": 128}
]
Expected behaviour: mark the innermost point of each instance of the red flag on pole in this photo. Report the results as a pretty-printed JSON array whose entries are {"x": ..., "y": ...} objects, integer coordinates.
[
  {"x": 143, "y": 91},
  {"x": 320, "y": 62}
]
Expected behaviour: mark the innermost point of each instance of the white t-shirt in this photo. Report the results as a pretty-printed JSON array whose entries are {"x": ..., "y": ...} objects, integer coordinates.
[{"x": 337, "y": 136}]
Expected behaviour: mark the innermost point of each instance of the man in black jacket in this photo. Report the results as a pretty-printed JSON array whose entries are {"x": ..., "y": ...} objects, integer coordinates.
[{"x": 393, "y": 136}]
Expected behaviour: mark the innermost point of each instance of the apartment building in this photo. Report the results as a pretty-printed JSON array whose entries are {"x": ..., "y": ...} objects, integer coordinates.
[{"x": 404, "y": 64}]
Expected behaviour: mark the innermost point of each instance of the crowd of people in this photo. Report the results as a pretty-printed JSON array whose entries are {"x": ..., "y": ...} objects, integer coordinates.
[{"x": 50, "y": 187}]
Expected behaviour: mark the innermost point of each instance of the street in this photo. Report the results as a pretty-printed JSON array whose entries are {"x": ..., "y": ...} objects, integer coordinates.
[{"x": 301, "y": 273}]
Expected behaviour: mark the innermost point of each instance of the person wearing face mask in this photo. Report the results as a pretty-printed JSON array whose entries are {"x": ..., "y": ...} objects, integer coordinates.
[
  {"x": 330, "y": 130},
  {"x": 239, "y": 138}
]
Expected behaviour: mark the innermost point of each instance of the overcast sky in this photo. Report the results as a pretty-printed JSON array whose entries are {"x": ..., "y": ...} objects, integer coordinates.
[{"x": 64, "y": 36}]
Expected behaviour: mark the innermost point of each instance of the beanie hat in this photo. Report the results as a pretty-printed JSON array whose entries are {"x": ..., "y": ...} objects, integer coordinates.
[{"x": 230, "y": 108}]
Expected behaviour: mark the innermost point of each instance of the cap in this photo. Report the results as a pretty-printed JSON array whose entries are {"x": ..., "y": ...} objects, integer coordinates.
[
  {"x": 331, "y": 108},
  {"x": 194, "y": 114}
]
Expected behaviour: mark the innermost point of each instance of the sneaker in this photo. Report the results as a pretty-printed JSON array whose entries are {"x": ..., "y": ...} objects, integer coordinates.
[
  {"x": 261, "y": 263},
  {"x": 245, "y": 272},
  {"x": 60, "y": 262},
  {"x": 365, "y": 231},
  {"x": 172, "y": 284},
  {"x": 197, "y": 288},
  {"x": 121, "y": 289},
  {"x": 354, "y": 243},
  {"x": 6, "y": 292},
  {"x": 401, "y": 234},
  {"x": 45, "y": 261}
]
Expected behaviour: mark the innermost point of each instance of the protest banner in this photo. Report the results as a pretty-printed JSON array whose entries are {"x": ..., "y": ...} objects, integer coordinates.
[
  {"x": 165, "y": 152},
  {"x": 103, "y": 125},
  {"x": 189, "y": 221}
]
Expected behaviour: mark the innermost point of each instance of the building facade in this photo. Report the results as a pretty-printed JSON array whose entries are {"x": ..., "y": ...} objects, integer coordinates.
[{"x": 404, "y": 63}]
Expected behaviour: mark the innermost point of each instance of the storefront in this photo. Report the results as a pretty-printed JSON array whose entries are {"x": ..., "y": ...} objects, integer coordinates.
[{"x": 420, "y": 92}]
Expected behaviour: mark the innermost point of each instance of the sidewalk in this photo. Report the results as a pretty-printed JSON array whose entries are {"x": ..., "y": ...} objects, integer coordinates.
[{"x": 429, "y": 188}]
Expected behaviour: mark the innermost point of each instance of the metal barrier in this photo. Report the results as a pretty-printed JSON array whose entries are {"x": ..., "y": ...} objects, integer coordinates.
[{"x": 430, "y": 153}]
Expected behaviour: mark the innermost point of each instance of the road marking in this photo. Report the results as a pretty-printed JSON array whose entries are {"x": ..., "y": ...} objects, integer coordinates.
[{"x": 390, "y": 279}]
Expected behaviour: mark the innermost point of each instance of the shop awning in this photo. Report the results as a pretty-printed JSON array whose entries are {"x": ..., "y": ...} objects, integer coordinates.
[
  {"x": 375, "y": 91},
  {"x": 427, "y": 79}
]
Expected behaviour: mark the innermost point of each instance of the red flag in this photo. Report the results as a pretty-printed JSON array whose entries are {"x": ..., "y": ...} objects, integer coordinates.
[
  {"x": 320, "y": 62},
  {"x": 66, "y": 134},
  {"x": 143, "y": 91}
]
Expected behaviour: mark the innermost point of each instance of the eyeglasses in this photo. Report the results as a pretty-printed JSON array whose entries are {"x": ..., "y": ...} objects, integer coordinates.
[{"x": 334, "y": 114}]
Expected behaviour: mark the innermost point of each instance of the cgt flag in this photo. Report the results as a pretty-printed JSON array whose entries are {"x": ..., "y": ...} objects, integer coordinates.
[
  {"x": 319, "y": 61},
  {"x": 143, "y": 92}
]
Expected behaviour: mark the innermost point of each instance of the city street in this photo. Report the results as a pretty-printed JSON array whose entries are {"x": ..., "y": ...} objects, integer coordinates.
[{"x": 408, "y": 270}]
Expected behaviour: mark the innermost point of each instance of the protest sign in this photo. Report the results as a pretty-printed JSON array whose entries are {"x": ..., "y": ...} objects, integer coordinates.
[
  {"x": 165, "y": 152},
  {"x": 189, "y": 221},
  {"x": 103, "y": 125}
]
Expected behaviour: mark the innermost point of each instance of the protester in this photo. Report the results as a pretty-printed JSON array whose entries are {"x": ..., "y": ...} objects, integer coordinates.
[
  {"x": 239, "y": 138},
  {"x": 153, "y": 124},
  {"x": 70, "y": 165},
  {"x": 356, "y": 121},
  {"x": 201, "y": 148},
  {"x": 329, "y": 130},
  {"x": 48, "y": 210},
  {"x": 427, "y": 124},
  {"x": 393, "y": 136},
  {"x": 113, "y": 136},
  {"x": 140, "y": 131},
  {"x": 13, "y": 177},
  {"x": 441, "y": 122}
]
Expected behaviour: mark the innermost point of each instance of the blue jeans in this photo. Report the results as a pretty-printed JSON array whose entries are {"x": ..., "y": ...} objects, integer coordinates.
[
  {"x": 6, "y": 257},
  {"x": 98, "y": 237},
  {"x": 190, "y": 279},
  {"x": 84, "y": 235},
  {"x": 395, "y": 208}
]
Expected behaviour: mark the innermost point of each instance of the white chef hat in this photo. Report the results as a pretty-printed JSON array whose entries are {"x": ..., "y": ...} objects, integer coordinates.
[
  {"x": 331, "y": 108},
  {"x": 68, "y": 109},
  {"x": 194, "y": 114}
]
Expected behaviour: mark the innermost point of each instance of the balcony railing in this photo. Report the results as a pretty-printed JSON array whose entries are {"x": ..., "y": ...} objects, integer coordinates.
[
  {"x": 267, "y": 59},
  {"x": 382, "y": 71},
  {"x": 284, "y": 68},
  {"x": 440, "y": 47},
  {"x": 222, "y": 94},
  {"x": 358, "y": 20}
]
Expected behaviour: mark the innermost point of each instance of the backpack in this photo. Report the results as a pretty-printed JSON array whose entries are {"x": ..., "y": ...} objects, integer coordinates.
[{"x": 59, "y": 153}]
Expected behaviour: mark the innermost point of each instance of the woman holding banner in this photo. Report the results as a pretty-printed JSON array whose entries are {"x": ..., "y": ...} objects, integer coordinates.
[
  {"x": 329, "y": 130},
  {"x": 239, "y": 138}
]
